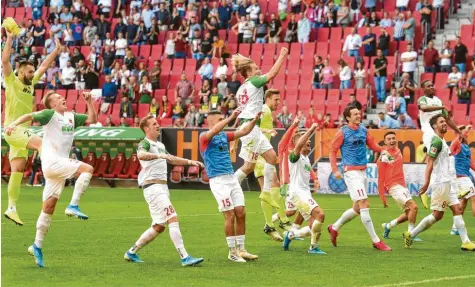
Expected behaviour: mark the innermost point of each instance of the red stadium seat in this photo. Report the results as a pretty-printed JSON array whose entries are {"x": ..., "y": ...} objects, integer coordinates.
[
  {"x": 193, "y": 173},
  {"x": 102, "y": 165},
  {"x": 6, "y": 169},
  {"x": 131, "y": 167},
  {"x": 144, "y": 109},
  {"x": 333, "y": 96},
  {"x": 80, "y": 108},
  {"x": 333, "y": 109},
  {"x": 176, "y": 175},
  {"x": 90, "y": 159},
  {"x": 9, "y": 12},
  {"x": 319, "y": 97},
  {"x": 244, "y": 49},
  {"x": 116, "y": 166},
  {"x": 145, "y": 51}
]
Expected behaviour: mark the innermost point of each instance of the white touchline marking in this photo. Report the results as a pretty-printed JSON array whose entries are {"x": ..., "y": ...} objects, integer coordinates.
[
  {"x": 409, "y": 283},
  {"x": 148, "y": 217}
]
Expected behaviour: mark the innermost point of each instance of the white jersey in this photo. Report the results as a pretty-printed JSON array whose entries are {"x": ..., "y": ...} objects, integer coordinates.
[
  {"x": 250, "y": 97},
  {"x": 58, "y": 132},
  {"x": 299, "y": 173},
  {"x": 426, "y": 116},
  {"x": 444, "y": 165},
  {"x": 152, "y": 169}
]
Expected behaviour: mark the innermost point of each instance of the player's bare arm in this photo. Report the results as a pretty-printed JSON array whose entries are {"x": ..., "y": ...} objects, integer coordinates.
[
  {"x": 303, "y": 139},
  {"x": 6, "y": 66},
  {"x": 91, "y": 111},
  {"x": 278, "y": 64},
  {"x": 429, "y": 168},
  {"x": 51, "y": 57},
  {"x": 174, "y": 160},
  {"x": 221, "y": 125},
  {"x": 148, "y": 156},
  {"x": 248, "y": 128}
]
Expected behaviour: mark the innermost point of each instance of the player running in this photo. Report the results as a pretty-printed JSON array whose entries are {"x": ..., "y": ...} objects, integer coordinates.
[
  {"x": 19, "y": 101},
  {"x": 58, "y": 135},
  {"x": 440, "y": 176},
  {"x": 391, "y": 181},
  {"x": 463, "y": 164},
  {"x": 270, "y": 198},
  {"x": 299, "y": 192},
  {"x": 352, "y": 139},
  {"x": 153, "y": 158},
  {"x": 214, "y": 148},
  {"x": 250, "y": 97}
]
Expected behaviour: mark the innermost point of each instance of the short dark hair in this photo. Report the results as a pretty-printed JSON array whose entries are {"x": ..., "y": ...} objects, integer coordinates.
[
  {"x": 347, "y": 111},
  {"x": 424, "y": 83},
  {"x": 26, "y": 63},
  {"x": 213, "y": 113},
  {"x": 381, "y": 113},
  {"x": 434, "y": 119},
  {"x": 389, "y": 133}
]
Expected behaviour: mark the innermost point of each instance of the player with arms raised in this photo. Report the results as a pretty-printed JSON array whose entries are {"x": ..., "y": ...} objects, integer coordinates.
[
  {"x": 58, "y": 127},
  {"x": 250, "y": 97},
  {"x": 352, "y": 139},
  {"x": 153, "y": 158},
  {"x": 391, "y": 181},
  {"x": 440, "y": 175},
  {"x": 19, "y": 101},
  {"x": 300, "y": 194},
  {"x": 214, "y": 148}
]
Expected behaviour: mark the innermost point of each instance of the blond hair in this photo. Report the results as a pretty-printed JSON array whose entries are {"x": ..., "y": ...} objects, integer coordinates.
[
  {"x": 241, "y": 64},
  {"x": 144, "y": 122},
  {"x": 46, "y": 97},
  {"x": 271, "y": 92}
]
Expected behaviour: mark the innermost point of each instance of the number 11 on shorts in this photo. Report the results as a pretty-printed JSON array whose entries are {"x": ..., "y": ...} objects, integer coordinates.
[{"x": 360, "y": 192}]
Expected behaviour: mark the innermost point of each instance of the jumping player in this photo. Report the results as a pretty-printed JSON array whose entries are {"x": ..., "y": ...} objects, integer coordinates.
[
  {"x": 58, "y": 127},
  {"x": 440, "y": 176},
  {"x": 153, "y": 158},
  {"x": 270, "y": 198},
  {"x": 391, "y": 181},
  {"x": 250, "y": 97},
  {"x": 299, "y": 192},
  {"x": 19, "y": 101},
  {"x": 214, "y": 148},
  {"x": 463, "y": 164},
  {"x": 352, "y": 139}
]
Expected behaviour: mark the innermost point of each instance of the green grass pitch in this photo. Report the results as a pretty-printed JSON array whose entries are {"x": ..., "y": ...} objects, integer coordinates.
[{"x": 90, "y": 253}]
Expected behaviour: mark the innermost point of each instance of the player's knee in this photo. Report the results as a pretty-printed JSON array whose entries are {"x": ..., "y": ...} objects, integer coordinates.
[
  {"x": 414, "y": 207},
  {"x": 158, "y": 228},
  {"x": 89, "y": 169},
  {"x": 290, "y": 213},
  {"x": 321, "y": 216},
  {"x": 438, "y": 215},
  {"x": 247, "y": 168},
  {"x": 240, "y": 213}
]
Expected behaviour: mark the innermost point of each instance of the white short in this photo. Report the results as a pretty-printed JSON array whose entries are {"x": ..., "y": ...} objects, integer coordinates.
[
  {"x": 227, "y": 191},
  {"x": 56, "y": 171},
  {"x": 400, "y": 194},
  {"x": 289, "y": 206},
  {"x": 159, "y": 204},
  {"x": 303, "y": 201},
  {"x": 253, "y": 145},
  {"x": 427, "y": 135},
  {"x": 443, "y": 195},
  {"x": 356, "y": 182},
  {"x": 465, "y": 184}
]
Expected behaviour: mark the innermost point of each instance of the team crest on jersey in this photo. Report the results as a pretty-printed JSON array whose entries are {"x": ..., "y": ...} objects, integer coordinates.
[{"x": 433, "y": 149}]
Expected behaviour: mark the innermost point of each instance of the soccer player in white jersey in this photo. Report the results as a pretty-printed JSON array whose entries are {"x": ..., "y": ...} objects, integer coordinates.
[
  {"x": 250, "y": 97},
  {"x": 299, "y": 192},
  {"x": 440, "y": 177},
  {"x": 153, "y": 179},
  {"x": 58, "y": 127}
]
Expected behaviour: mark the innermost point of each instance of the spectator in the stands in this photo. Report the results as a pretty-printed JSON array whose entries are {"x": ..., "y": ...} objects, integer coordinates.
[
  {"x": 401, "y": 106},
  {"x": 68, "y": 76},
  {"x": 170, "y": 46},
  {"x": 131, "y": 31},
  {"x": 454, "y": 77},
  {"x": 285, "y": 117},
  {"x": 109, "y": 41},
  {"x": 431, "y": 56},
  {"x": 369, "y": 42},
  {"x": 184, "y": 89},
  {"x": 108, "y": 123},
  {"x": 225, "y": 14},
  {"x": 204, "y": 107},
  {"x": 124, "y": 123},
  {"x": 206, "y": 46},
  {"x": 96, "y": 43},
  {"x": 345, "y": 75},
  {"x": 341, "y": 122},
  {"x": 166, "y": 108},
  {"x": 406, "y": 122},
  {"x": 126, "y": 110},
  {"x": 92, "y": 76},
  {"x": 216, "y": 99},
  {"x": 206, "y": 70},
  {"x": 105, "y": 7},
  {"x": 254, "y": 10},
  {"x": 193, "y": 117},
  {"x": 39, "y": 33},
  {"x": 446, "y": 58},
  {"x": 386, "y": 22},
  {"x": 360, "y": 76},
  {"x": 401, "y": 5},
  {"x": 77, "y": 56},
  {"x": 155, "y": 75},
  {"x": 343, "y": 14},
  {"x": 50, "y": 44},
  {"x": 142, "y": 71},
  {"x": 78, "y": 29},
  {"x": 222, "y": 68},
  {"x": 80, "y": 83},
  {"x": 275, "y": 29},
  {"x": 317, "y": 69},
  {"x": 52, "y": 76},
  {"x": 292, "y": 30},
  {"x": 178, "y": 109},
  {"x": 328, "y": 122},
  {"x": 464, "y": 90},
  {"x": 302, "y": 119},
  {"x": 391, "y": 103},
  {"x": 116, "y": 74},
  {"x": 153, "y": 33},
  {"x": 66, "y": 16},
  {"x": 141, "y": 35},
  {"x": 387, "y": 122},
  {"x": 364, "y": 21},
  {"x": 136, "y": 122},
  {"x": 163, "y": 17},
  {"x": 295, "y": 6},
  {"x": 409, "y": 61},
  {"x": 109, "y": 94},
  {"x": 373, "y": 20},
  {"x": 222, "y": 85},
  {"x": 326, "y": 76},
  {"x": 380, "y": 65},
  {"x": 460, "y": 51},
  {"x": 57, "y": 29},
  {"x": 370, "y": 5},
  {"x": 419, "y": 5},
  {"x": 409, "y": 27},
  {"x": 261, "y": 31},
  {"x": 407, "y": 87},
  {"x": 352, "y": 44},
  {"x": 303, "y": 29},
  {"x": 145, "y": 91},
  {"x": 120, "y": 46},
  {"x": 399, "y": 23},
  {"x": 154, "y": 108},
  {"x": 426, "y": 18},
  {"x": 121, "y": 27},
  {"x": 311, "y": 118},
  {"x": 89, "y": 32},
  {"x": 180, "y": 47},
  {"x": 108, "y": 59},
  {"x": 129, "y": 60},
  {"x": 355, "y": 102},
  {"x": 233, "y": 85}
]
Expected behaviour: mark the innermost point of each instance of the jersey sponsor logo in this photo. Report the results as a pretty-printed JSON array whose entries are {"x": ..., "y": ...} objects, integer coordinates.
[
  {"x": 27, "y": 90},
  {"x": 433, "y": 150},
  {"x": 244, "y": 98},
  {"x": 307, "y": 168}
]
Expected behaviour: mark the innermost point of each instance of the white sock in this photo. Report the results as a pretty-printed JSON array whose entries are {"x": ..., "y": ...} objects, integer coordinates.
[
  {"x": 44, "y": 220},
  {"x": 269, "y": 171},
  {"x": 425, "y": 223},
  {"x": 148, "y": 236},
  {"x": 80, "y": 187},
  {"x": 296, "y": 226},
  {"x": 175, "y": 235},
  {"x": 410, "y": 227},
  {"x": 347, "y": 216},
  {"x": 300, "y": 233},
  {"x": 275, "y": 217},
  {"x": 240, "y": 175},
  {"x": 240, "y": 241},
  {"x": 231, "y": 240},
  {"x": 316, "y": 232},
  {"x": 460, "y": 225},
  {"x": 453, "y": 225},
  {"x": 368, "y": 224},
  {"x": 392, "y": 224}
]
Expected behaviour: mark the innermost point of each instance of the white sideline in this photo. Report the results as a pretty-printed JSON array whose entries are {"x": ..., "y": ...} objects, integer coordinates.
[{"x": 409, "y": 283}]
